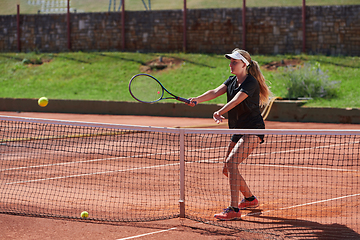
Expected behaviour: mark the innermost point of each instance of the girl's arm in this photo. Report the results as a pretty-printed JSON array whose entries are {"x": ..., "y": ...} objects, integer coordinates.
[
  {"x": 209, "y": 95},
  {"x": 239, "y": 97}
]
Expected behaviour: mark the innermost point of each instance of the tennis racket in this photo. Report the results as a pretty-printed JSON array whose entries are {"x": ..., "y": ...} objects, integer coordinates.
[{"x": 147, "y": 89}]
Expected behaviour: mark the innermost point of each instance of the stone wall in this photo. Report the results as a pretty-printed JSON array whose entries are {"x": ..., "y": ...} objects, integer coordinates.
[
  {"x": 334, "y": 30},
  {"x": 330, "y": 30}
]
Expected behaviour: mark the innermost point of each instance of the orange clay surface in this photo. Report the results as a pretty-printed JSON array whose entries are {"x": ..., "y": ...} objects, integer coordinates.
[{"x": 24, "y": 227}]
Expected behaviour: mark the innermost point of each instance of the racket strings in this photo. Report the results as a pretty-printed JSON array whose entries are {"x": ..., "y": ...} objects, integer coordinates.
[{"x": 146, "y": 89}]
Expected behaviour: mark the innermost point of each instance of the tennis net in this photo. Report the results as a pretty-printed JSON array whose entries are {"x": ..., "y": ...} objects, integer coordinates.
[{"x": 307, "y": 181}]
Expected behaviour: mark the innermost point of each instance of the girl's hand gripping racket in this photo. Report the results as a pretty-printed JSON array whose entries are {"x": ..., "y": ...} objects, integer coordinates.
[{"x": 147, "y": 89}]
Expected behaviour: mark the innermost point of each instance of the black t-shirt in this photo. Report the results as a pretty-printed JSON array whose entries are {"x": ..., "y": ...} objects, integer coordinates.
[{"x": 247, "y": 114}]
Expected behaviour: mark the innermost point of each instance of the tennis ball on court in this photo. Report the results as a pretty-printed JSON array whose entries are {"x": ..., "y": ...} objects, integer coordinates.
[
  {"x": 43, "y": 101},
  {"x": 84, "y": 214}
]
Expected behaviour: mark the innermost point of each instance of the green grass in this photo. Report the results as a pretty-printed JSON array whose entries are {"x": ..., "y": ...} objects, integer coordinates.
[
  {"x": 105, "y": 75},
  {"x": 9, "y": 6},
  {"x": 344, "y": 70}
]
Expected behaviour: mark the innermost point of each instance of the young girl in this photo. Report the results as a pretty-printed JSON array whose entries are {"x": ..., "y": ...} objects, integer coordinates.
[{"x": 246, "y": 92}]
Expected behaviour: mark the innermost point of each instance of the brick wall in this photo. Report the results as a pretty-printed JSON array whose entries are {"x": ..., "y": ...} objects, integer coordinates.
[{"x": 330, "y": 30}]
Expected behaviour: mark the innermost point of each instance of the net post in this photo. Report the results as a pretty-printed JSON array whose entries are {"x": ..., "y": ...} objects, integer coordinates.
[{"x": 182, "y": 173}]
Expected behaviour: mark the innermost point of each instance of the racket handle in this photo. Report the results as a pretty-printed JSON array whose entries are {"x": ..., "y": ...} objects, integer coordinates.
[{"x": 184, "y": 100}]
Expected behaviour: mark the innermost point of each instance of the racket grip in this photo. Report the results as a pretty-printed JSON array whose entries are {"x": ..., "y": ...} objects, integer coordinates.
[{"x": 184, "y": 100}]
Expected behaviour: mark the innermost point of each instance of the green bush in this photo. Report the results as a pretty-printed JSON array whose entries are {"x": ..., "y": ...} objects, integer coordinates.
[{"x": 308, "y": 81}]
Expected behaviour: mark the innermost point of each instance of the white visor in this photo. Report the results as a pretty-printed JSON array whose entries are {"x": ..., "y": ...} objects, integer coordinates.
[{"x": 237, "y": 55}]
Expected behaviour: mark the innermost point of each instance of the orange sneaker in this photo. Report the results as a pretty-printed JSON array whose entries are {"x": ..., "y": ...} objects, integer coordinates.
[
  {"x": 244, "y": 204},
  {"x": 228, "y": 214}
]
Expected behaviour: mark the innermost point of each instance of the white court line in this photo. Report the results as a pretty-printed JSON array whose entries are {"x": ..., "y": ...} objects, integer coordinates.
[
  {"x": 211, "y": 148},
  {"x": 303, "y": 149},
  {"x": 146, "y": 234},
  {"x": 217, "y": 160},
  {"x": 85, "y": 161},
  {"x": 96, "y": 173},
  {"x": 209, "y": 160},
  {"x": 286, "y": 151},
  {"x": 301, "y": 205},
  {"x": 174, "y": 164},
  {"x": 299, "y": 167},
  {"x": 80, "y": 175},
  {"x": 89, "y": 174},
  {"x": 321, "y": 201},
  {"x": 61, "y": 164}
]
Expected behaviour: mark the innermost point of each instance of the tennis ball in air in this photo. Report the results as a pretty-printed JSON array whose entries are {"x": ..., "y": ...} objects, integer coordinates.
[
  {"x": 43, "y": 101},
  {"x": 84, "y": 214}
]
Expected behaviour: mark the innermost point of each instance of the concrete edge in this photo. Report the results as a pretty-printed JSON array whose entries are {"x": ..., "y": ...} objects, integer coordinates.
[{"x": 282, "y": 110}]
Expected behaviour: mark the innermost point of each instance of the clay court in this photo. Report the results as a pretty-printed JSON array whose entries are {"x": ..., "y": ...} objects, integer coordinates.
[{"x": 26, "y": 227}]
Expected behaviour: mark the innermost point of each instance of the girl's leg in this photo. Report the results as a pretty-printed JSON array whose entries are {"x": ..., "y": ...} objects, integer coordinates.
[
  {"x": 237, "y": 152},
  {"x": 240, "y": 151}
]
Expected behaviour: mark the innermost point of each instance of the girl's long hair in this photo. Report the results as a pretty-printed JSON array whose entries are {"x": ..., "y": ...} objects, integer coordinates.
[{"x": 254, "y": 70}]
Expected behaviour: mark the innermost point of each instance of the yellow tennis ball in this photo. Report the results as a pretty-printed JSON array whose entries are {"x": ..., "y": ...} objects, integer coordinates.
[
  {"x": 84, "y": 214},
  {"x": 43, "y": 101}
]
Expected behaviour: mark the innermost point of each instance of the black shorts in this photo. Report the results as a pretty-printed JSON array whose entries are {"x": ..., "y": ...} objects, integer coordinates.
[{"x": 236, "y": 137}]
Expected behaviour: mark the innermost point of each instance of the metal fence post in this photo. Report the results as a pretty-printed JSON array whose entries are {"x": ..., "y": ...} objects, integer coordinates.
[
  {"x": 184, "y": 27},
  {"x": 123, "y": 24},
  {"x": 68, "y": 25},
  {"x": 244, "y": 25},
  {"x": 18, "y": 28},
  {"x": 304, "y": 25}
]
